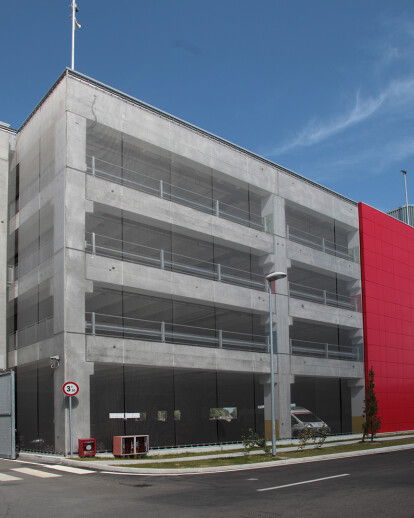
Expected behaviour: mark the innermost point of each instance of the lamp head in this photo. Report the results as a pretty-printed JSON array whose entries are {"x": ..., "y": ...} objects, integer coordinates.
[{"x": 274, "y": 276}]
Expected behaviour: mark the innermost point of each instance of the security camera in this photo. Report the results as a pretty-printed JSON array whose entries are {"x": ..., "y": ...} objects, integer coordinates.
[{"x": 54, "y": 362}]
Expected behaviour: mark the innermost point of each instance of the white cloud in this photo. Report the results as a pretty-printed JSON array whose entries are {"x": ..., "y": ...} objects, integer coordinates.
[
  {"x": 373, "y": 160},
  {"x": 398, "y": 93}
]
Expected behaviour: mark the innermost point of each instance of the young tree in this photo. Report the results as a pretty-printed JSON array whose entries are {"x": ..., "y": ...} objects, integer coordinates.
[{"x": 372, "y": 419}]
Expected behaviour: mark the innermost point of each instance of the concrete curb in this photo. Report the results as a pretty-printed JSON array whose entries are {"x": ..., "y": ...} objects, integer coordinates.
[{"x": 103, "y": 466}]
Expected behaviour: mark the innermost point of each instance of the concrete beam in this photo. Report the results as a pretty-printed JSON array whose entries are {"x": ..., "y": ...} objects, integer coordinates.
[
  {"x": 118, "y": 350},
  {"x": 158, "y": 209},
  {"x": 323, "y": 261},
  {"x": 312, "y": 311},
  {"x": 163, "y": 282},
  {"x": 322, "y": 367}
]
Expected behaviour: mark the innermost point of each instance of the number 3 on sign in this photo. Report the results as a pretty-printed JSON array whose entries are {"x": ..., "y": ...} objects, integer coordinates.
[{"x": 70, "y": 388}]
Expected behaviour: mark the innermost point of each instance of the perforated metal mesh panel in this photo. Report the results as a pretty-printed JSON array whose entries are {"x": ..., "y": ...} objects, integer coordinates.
[{"x": 7, "y": 437}]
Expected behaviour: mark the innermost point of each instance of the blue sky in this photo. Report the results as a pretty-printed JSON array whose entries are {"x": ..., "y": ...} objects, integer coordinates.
[{"x": 324, "y": 88}]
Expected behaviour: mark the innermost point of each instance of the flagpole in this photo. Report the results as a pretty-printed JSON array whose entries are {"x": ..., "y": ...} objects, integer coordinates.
[{"x": 73, "y": 35}]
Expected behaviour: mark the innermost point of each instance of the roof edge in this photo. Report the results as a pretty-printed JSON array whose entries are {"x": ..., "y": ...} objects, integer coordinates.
[
  {"x": 177, "y": 120},
  {"x": 44, "y": 98},
  {"x": 4, "y": 126}
]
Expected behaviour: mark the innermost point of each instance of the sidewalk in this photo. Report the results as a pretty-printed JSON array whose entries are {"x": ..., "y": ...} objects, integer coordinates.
[{"x": 123, "y": 465}]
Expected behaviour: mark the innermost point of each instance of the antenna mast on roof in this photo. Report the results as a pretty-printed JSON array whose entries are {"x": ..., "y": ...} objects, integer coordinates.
[
  {"x": 75, "y": 25},
  {"x": 406, "y": 195}
]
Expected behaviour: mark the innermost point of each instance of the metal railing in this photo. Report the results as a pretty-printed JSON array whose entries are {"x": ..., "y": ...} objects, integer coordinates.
[
  {"x": 319, "y": 243},
  {"x": 30, "y": 261},
  {"x": 162, "y": 189},
  {"x": 165, "y": 260},
  {"x": 325, "y": 350},
  {"x": 327, "y": 298},
  {"x": 156, "y": 331},
  {"x": 31, "y": 334}
]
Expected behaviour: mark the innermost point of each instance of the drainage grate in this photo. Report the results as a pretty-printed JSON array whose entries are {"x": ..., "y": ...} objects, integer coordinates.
[{"x": 261, "y": 514}]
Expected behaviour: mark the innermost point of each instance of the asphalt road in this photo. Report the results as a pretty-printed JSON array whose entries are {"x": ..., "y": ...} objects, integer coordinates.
[{"x": 370, "y": 486}]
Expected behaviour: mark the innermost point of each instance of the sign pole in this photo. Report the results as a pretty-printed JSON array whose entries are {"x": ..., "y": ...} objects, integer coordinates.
[
  {"x": 70, "y": 389},
  {"x": 70, "y": 427}
]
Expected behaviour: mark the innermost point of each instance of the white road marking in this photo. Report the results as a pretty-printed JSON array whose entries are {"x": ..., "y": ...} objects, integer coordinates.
[
  {"x": 58, "y": 467},
  {"x": 252, "y": 479},
  {"x": 69, "y": 469},
  {"x": 7, "y": 478},
  {"x": 36, "y": 472},
  {"x": 304, "y": 482}
]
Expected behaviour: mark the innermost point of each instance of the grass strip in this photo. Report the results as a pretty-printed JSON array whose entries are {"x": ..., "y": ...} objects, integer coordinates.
[
  {"x": 190, "y": 454},
  {"x": 253, "y": 459}
]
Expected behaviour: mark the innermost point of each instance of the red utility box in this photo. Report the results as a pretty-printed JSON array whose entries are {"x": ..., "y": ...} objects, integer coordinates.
[{"x": 87, "y": 447}]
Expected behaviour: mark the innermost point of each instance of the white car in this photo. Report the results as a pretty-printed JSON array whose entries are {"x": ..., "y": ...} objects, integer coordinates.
[{"x": 303, "y": 418}]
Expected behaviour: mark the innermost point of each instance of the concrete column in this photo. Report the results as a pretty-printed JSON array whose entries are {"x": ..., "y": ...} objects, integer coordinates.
[
  {"x": 283, "y": 399},
  {"x": 283, "y": 376},
  {"x": 76, "y": 367},
  {"x": 357, "y": 403},
  {"x": 281, "y": 321},
  {"x": 79, "y": 371},
  {"x": 282, "y": 407},
  {"x": 4, "y": 177},
  {"x": 353, "y": 244},
  {"x": 59, "y": 400}
]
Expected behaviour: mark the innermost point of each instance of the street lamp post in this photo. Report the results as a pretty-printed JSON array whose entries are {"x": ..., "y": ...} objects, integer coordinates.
[{"x": 270, "y": 277}]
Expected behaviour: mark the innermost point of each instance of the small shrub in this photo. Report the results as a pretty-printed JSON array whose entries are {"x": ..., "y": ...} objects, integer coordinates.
[
  {"x": 262, "y": 444},
  {"x": 320, "y": 437},
  {"x": 305, "y": 435},
  {"x": 253, "y": 440}
]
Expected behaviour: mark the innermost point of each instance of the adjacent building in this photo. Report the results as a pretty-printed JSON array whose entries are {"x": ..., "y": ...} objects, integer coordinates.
[
  {"x": 404, "y": 213},
  {"x": 137, "y": 246}
]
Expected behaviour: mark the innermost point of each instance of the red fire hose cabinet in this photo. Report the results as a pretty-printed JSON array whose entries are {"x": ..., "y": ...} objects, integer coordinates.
[{"x": 87, "y": 447}]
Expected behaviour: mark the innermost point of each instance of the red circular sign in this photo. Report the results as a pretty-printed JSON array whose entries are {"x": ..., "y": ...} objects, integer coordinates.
[{"x": 70, "y": 388}]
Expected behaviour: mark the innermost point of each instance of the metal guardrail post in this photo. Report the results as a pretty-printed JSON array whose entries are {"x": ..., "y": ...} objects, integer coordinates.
[
  {"x": 218, "y": 272},
  {"x": 16, "y": 339},
  {"x": 324, "y": 296},
  {"x": 93, "y": 323},
  {"x": 220, "y": 339},
  {"x": 162, "y": 332},
  {"x": 287, "y": 232},
  {"x": 326, "y": 350},
  {"x": 264, "y": 224},
  {"x": 10, "y": 275},
  {"x": 162, "y": 260},
  {"x": 161, "y": 189},
  {"x": 93, "y": 243},
  {"x": 323, "y": 244},
  {"x": 93, "y": 166},
  {"x": 217, "y": 208}
]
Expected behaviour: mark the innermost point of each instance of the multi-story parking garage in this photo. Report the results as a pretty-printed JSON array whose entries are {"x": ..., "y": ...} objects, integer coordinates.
[{"x": 137, "y": 249}]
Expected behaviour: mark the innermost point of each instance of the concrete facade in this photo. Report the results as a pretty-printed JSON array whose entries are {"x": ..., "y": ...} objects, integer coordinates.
[
  {"x": 301, "y": 228},
  {"x": 6, "y": 147}
]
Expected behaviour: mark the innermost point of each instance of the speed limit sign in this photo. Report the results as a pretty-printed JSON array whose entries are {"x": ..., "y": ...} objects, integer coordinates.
[{"x": 70, "y": 388}]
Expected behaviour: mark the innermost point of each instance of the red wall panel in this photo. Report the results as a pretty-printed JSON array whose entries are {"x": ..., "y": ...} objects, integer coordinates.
[{"x": 387, "y": 266}]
